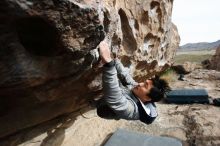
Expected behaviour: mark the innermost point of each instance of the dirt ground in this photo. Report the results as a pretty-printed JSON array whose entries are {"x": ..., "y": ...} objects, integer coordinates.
[{"x": 194, "y": 125}]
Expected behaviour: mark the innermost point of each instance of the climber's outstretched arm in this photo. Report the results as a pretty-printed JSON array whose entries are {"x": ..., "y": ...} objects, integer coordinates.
[
  {"x": 112, "y": 92},
  {"x": 124, "y": 73}
]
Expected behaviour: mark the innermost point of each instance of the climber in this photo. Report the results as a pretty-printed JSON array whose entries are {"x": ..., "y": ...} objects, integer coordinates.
[{"x": 123, "y": 97}]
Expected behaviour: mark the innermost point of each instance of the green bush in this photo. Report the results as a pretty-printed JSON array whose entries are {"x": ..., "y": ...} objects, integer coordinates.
[{"x": 170, "y": 75}]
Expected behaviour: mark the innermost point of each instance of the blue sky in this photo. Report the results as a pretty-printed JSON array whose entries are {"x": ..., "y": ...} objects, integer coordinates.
[{"x": 197, "y": 20}]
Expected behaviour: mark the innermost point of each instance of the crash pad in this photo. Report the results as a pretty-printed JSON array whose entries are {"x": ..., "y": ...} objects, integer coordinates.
[
  {"x": 187, "y": 96},
  {"x": 124, "y": 137}
]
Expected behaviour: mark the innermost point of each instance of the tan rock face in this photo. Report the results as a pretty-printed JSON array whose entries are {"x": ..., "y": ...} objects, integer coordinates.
[
  {"x": 47, "y": 52},
  {"x": 215, "y": 63},
  {"x": 149, "y": 38}
]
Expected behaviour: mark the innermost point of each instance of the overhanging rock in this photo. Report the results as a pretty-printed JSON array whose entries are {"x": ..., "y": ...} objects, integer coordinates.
[{"x": 46, "y": 65}]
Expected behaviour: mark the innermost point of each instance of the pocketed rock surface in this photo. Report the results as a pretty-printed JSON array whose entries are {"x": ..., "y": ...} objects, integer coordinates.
[
  {"x": 48, "y": 47},
  {"x": 194, "y": 124}
]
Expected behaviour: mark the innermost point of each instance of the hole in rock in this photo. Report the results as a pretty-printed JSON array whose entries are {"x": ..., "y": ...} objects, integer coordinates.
[
  {"x": 37, "y": 36},
  {"x": 129, "y": 42}
]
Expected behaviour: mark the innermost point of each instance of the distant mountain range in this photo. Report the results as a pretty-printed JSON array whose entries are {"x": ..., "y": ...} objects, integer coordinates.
[{"x": 199, "y": 46}]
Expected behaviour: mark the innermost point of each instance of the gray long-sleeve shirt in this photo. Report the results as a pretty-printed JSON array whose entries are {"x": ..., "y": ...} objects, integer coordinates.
[{"x": 120, "y": 99}]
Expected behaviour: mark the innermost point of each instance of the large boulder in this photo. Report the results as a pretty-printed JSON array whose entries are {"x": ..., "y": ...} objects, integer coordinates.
[
  {"x": 215, "y": 64},
  {"x": 186, "y": 67},
  {"x": 47, "y": 52}
]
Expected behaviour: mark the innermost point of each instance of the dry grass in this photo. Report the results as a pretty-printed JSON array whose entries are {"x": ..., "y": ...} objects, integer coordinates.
[
  {"x": 193, "y": 56},
  {"x": 180, "y": 59}
]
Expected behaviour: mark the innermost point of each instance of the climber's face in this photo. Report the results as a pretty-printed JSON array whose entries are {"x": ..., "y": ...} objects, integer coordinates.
[{"x": 143, "y": 89}]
